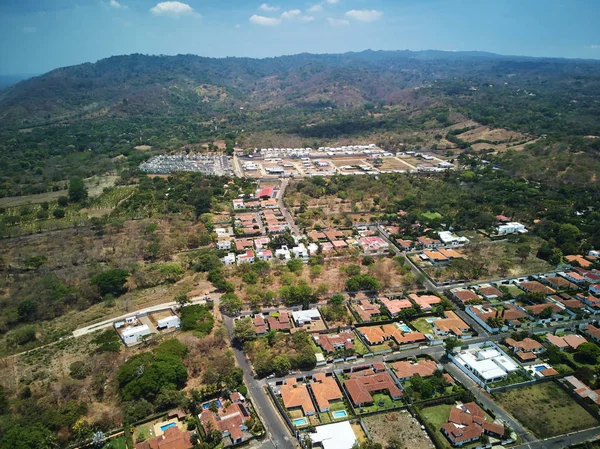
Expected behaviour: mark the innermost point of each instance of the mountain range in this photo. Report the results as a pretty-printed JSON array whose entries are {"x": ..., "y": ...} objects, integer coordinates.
[{"x": 139, "y": 85}]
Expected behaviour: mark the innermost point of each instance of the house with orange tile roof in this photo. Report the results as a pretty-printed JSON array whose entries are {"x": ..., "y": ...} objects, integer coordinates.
[
  {"x": 405, "y": 369},
  {"x": 260, "y": 326},
  {"x": 373, "y": 334},
  {"x": 465, "y": 295},
  {"x": 565, "y": 342},
  {"x": 489, "y": 293},
  {"x": 230, "y": 421},
  {"x": 526, "y": 345},
  {"x": 279, "y": 323},
  {"x": 330, "y": 343},
  {"x": 395, "y": 306},
  {"x": 434, "y": 256},
  {"x": 450, "y": 324},
  {"x": 578, "y": 260},
  {"x": 425, "y": 302},
  {"x": 295, "y": 396},
  {"x": 326, "y": 390},
  {"x": 592, "y": 331},
  {"x": 406, "y": 245},
  {"x": 333, "y": 234},
  {"x": 450, "y": 253},
  {"x": 468, "y": 423},
  {"x": 172, "y": 438},
  {"x": 316, "y": 236},
  {"x": 362, "y": 386},
  {"x": 574, "y": 277},
  {"x": 536, "y": 287},
  {"x": 426, "y": 242},
  {"x": 366, "y": 309}
]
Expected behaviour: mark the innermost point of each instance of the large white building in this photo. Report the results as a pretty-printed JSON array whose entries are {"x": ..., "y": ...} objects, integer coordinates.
[
  {"x": 485, "y": 364},
  {"x": 512, "y": 227},
  {"x": 169, "y": 322},
  {"x": 303, "y": 317},
  {"x": 334, "y": 436},
  {"x": 449, "y": 238},
  {"x": 133, "y": 335}
]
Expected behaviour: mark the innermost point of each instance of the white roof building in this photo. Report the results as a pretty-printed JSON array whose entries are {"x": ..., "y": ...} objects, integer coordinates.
[
  {"x": 487, "y": 364},
  {"x": 229, "y": 259},
  {"x": 132, "y": 335},
  {"x": 449, "y": 238},
  {"x": 306, "y": 316},
  {"x": 283, "y": 253},
  {"x": 334, "y": 436},
  {"x": 511, "y": 228}
]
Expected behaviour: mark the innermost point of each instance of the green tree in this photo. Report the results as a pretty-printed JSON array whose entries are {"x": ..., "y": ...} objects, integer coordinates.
[
  {"x": 450, "y": 344},
  {"x": 587, "y": 353},
  {"x": 243, "y": 330},
  {"x": 295, "y": 265},
  {"x": 231, "y": 303},
  {"x": 111, "y": 281},
  {"x": 78, "y": 192}
]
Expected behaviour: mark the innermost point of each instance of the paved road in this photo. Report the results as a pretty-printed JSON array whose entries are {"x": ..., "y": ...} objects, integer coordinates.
[
  {"x": 277, "y": 431},
  {"x": 562, "y": 441},
  {"x": 109, "y": 322},
  {"x": 284, "y": 211}
]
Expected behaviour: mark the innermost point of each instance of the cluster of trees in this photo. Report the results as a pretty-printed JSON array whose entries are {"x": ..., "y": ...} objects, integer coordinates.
[
  {"x": 427, "y": 387},
  {"x": 335, "y": 310},
  {"x": 197, "y": 318},
  {"x": 362, "y": 282},
  {"x": 146, "y": 374}
]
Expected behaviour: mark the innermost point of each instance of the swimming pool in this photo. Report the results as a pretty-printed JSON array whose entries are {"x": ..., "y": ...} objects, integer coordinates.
[
  {"x": 540, "y": 367},
  {"x": 166, "y": 426},
  {"x": 404, "y": 328},
  {"x": 207, "y": 405},
  {"x": 339, "y": 414},
  {"x": 431, "y": 320},
  {"x": 300, "y": 422}
]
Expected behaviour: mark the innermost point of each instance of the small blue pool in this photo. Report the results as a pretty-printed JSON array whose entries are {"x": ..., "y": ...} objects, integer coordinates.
[
  {"x": 300, "y": 422},
  {"x": 208, "y": 404},
  {"x": 166, "y": 426},
  {"x": 339, "y": 414},
  {"x": 540, "y": 367},
  {"x": 404, "y": 328},
  {"x": 431, "y": 320}
]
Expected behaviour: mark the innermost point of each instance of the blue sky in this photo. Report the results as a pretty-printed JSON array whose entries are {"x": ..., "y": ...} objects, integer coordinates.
[{"x": 40, "y": 35}]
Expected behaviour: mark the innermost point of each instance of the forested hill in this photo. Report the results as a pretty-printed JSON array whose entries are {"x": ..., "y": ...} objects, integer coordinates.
[{"x": 139, "y": 85}]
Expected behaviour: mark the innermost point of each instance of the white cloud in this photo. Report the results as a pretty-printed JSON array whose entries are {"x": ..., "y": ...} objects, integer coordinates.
[
  {"x": 115, "y": 4},
  {"x": 29, "y": 29},
  {"x": 173, "y": 9},
  {"x": 337, "y": 22},
  {"x": 264, "y": 21},
  {"x": 268, "y": 8},
  {"x": 333, "y": 2},
  {"x": 593, "y": 47},
  {"x": 364, "y": 15},
  {"x": 315, "y": 8},
  {"x": 296, "y": 14}
]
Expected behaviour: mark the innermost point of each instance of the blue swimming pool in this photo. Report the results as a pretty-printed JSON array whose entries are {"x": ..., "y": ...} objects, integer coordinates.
[
  {"x": 207, "y": 405},
  {"x": 166, "y": 426},
  {"x": 339, "y": 414},
  {"x": 404, "y": 328},
  {"x": 540, "y": 367},
  {"x": 300, "y": 422},
  {"x": 431, "y": 320}
]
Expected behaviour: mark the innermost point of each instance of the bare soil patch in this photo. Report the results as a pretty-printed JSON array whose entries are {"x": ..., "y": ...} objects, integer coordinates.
[{"x": 400, "y": 425}]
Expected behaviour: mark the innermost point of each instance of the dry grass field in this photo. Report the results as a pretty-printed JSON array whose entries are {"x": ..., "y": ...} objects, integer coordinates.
[
  {"x": 493, "y": 135},
  {"x": 400, "y": 425}
]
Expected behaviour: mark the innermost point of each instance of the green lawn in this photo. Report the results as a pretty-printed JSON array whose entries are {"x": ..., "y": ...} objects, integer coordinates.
[
  {"x": 514, "y": 378},
  {"x": 546, "y": 409},
  {"x": 115, "y": 443},
  {"x": 431, "y": 215},
  {"x": 422, "y": 326},
  {"x": 316, "y": 349},
  {"x": 359, "y": 347},
  {"x": 380, "y": 402}
]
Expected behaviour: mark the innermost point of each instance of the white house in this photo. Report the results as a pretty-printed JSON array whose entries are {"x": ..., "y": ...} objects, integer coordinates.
[
  {"x": 133, "y": 335},
  {"x": 169, "y": 322},
  {"x": 224, "y": 244},
  {"x": 303, "y": 317},
  {"x": 448, "y": 238},
  {"x": 283, "y": 253},
  {"x": 300, "y": 251},
  {"x": 229, "y": 259},
  {"x": 512, "y": 227},
  {"x": 247, "y": 257},
  {"x": 222, "y": 232},
  {"x": 313, "y": 248},
  {"x": 265, "y": 254},
  {"x": 238, "y": 204}
]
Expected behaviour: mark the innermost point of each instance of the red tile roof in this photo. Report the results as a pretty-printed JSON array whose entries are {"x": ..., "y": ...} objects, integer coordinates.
[
  {"x": 406, "y": 368},
  {"x": 172, "y": 438},
  {"x": 360, "y": 388}
]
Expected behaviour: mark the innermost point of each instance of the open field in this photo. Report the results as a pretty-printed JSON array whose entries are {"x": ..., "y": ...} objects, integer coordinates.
[
  {"x": 546, "y": 409},
  {"x": 490, "y": 261},
  {"x": 392, "y": 163},
  {"x": 492, "y": 135},
  {"x": 95, "y": 187},
  {"x": 340, "y": 162},
  {"x": 399, "y": 425}
]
